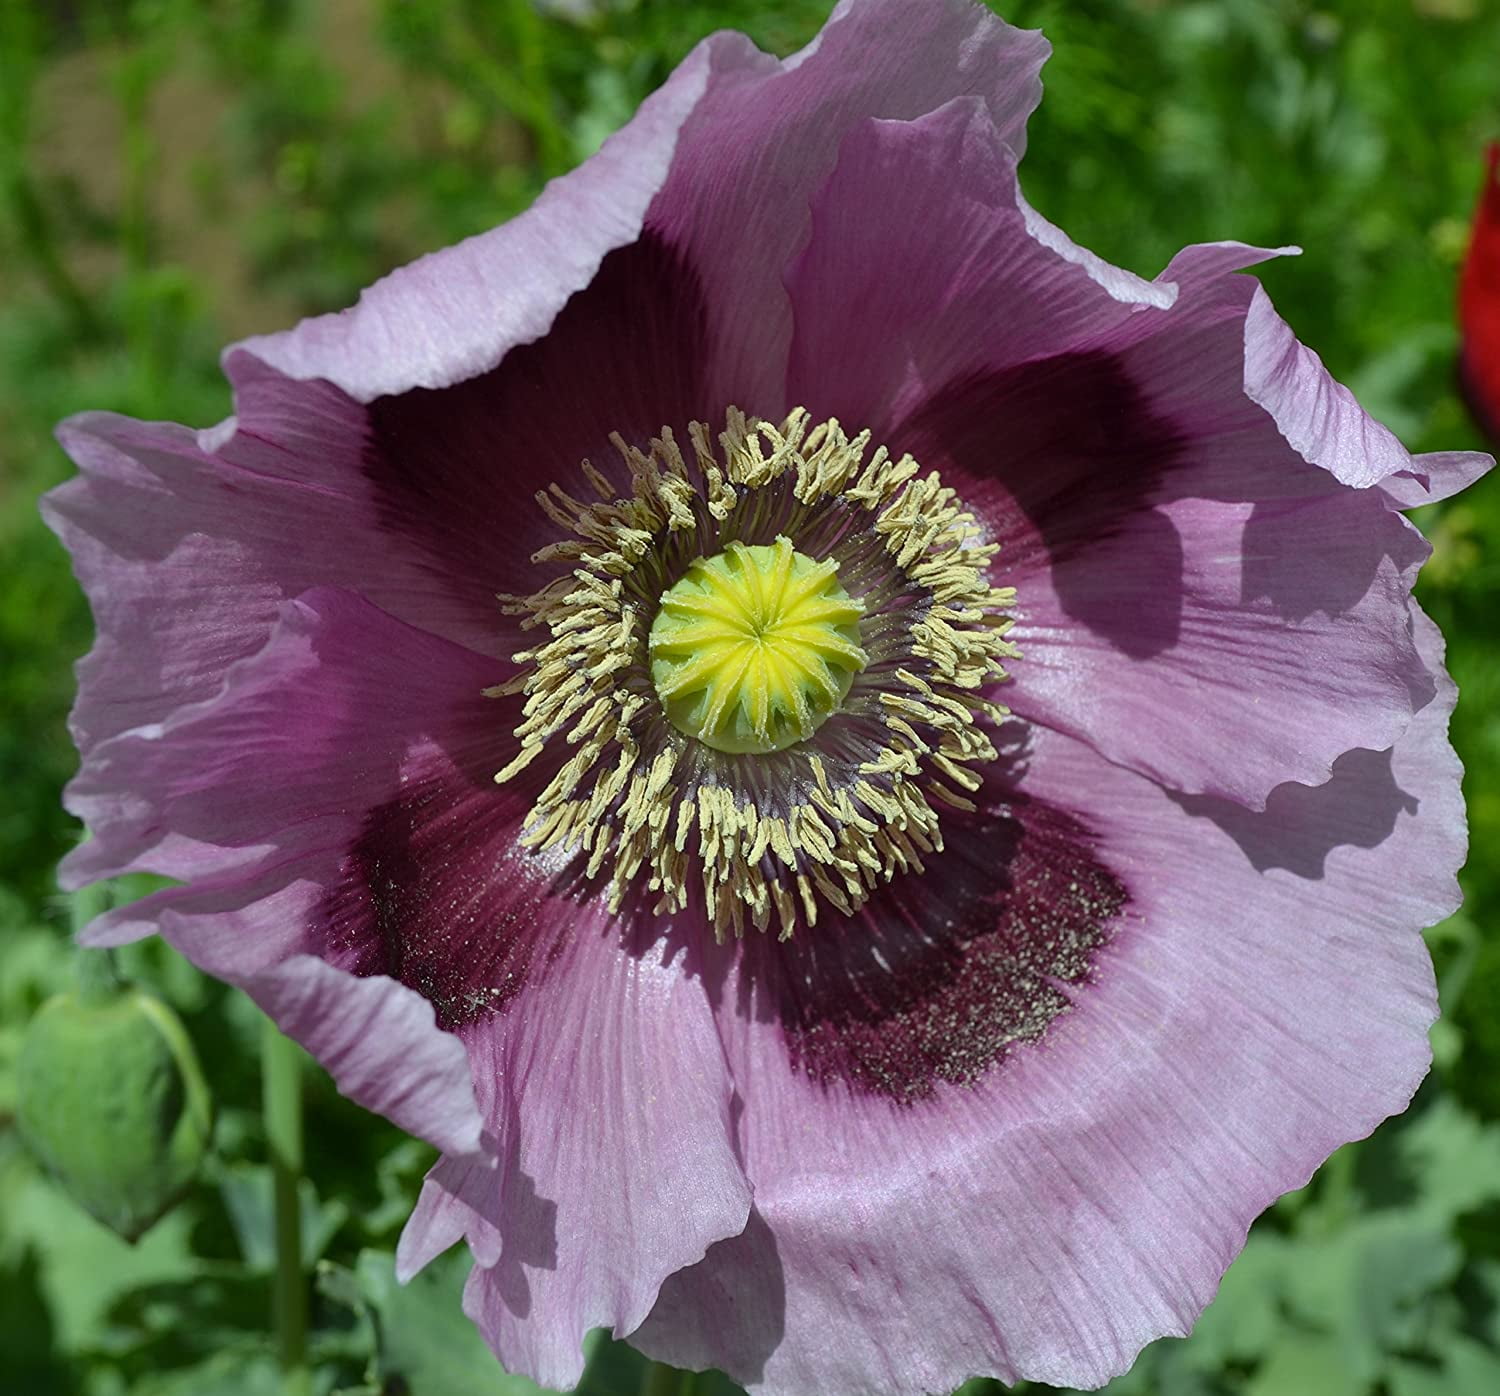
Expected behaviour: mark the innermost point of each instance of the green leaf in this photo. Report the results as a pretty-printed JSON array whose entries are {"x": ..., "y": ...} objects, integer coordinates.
[
  {"x": 423, "y": 1338},
  {"x": 170, "y": 1325},
  {"x": 32, "y": 1361},
  {"x": 224, "y": 1374},
  {"x": 1169, "y": 1367},
  {"x": 1471, "y": 1368},
  {"x": 1305, "y": 1363},
  {"x": 1454, "y": 1159},
  {"x": 1365, "y": 1285},
  {"x": 1468, "y": 1368},
  {"x": 398, "y": 1176},
  {"x": 84, "y": 1266}
]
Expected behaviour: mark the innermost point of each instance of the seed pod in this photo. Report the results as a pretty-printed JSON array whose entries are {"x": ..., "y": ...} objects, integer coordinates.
[{"x": 112, "y": 1101}]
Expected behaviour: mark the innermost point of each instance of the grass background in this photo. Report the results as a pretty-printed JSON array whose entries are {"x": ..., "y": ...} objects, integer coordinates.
[{"x": 176, "y": 175}]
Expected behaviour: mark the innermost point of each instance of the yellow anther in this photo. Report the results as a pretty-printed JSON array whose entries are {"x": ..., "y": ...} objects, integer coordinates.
[{"x": 755, "y": 648}]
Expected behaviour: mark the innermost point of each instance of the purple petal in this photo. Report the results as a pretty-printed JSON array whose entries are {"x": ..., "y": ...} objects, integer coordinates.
[
  {"x": 979, "y": 284},
  {"x": 1200, "y": 264},
  {"x": 1316, "y": 414},
  {"x": 304, "y": 738},
  {"x": 756, "y": 149},
  {"x": 255, "y": 794},
  {"x": 188, "y": 545},
  {"x": 284, "y": 800},
  {"x": 377, "y": 1038},
  {"x": 1254, "y": 1010},
  {"x": 1187, "y": 582},
  {"x": 456, "y": 313},
  {"x": 435, "y": 889},
  {"x": 378, "y": 1041},
  {"x": 1167, "y": 630},
  {"x": 1435, "y": 476},
  {"x": 609, "y": 1113},
  {"x": 454, "y": 471},
  {"x": 1166, "y": 539},
  {"x": 1277, "y": 632},
  {"x": 980, "y": 280},
  {"x": 328, "y": 804}
]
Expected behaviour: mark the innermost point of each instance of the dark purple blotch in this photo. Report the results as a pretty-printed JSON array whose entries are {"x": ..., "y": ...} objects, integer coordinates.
[{"x": 942, "y": 973}]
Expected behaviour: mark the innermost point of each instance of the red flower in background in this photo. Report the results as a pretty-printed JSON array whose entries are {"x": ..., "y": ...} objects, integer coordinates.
[{"x": 1479, "y": 304}]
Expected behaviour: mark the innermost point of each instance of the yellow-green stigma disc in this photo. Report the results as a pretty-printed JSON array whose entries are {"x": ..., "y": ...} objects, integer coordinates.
[{"x": 755, "y": 648}]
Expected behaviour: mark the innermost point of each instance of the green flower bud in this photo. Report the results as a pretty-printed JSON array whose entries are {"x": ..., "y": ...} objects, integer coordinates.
[{"x": 111, "y": 1099}]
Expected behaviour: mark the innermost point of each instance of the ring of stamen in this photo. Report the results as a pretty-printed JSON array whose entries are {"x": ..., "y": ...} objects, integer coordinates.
[{"x": 772, "y": 827}]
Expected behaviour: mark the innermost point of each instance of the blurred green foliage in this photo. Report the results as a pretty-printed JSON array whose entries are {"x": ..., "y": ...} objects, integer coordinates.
[{"x": 174, "y": 175}]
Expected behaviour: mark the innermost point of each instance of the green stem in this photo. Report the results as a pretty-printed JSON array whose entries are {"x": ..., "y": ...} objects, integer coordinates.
[
  {"x": 96, "y": 973},
  {"x": 89, "y": 902},
  {"x": 135, "y": 76},
  {"x": 281, "y": 1095},
  {"x": 97, "y": 976}
]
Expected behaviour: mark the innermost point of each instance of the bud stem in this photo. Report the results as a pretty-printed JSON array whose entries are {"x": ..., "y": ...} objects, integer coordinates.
[
  {"x": 97, "y": 976},
  {"x": 95, "y": 972},
  {"x": 281, "y": 1098}
]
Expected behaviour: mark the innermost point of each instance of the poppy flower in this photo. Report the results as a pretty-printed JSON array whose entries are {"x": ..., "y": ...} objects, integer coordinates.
[
  {"x": 869, "y": 778},
  {"x": 1479, "y": 304}
]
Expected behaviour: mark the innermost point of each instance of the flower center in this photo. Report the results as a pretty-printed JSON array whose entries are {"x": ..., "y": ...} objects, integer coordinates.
[
  {"x": 755, "y": 648},
  {"x": 763, "y": 666}
]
